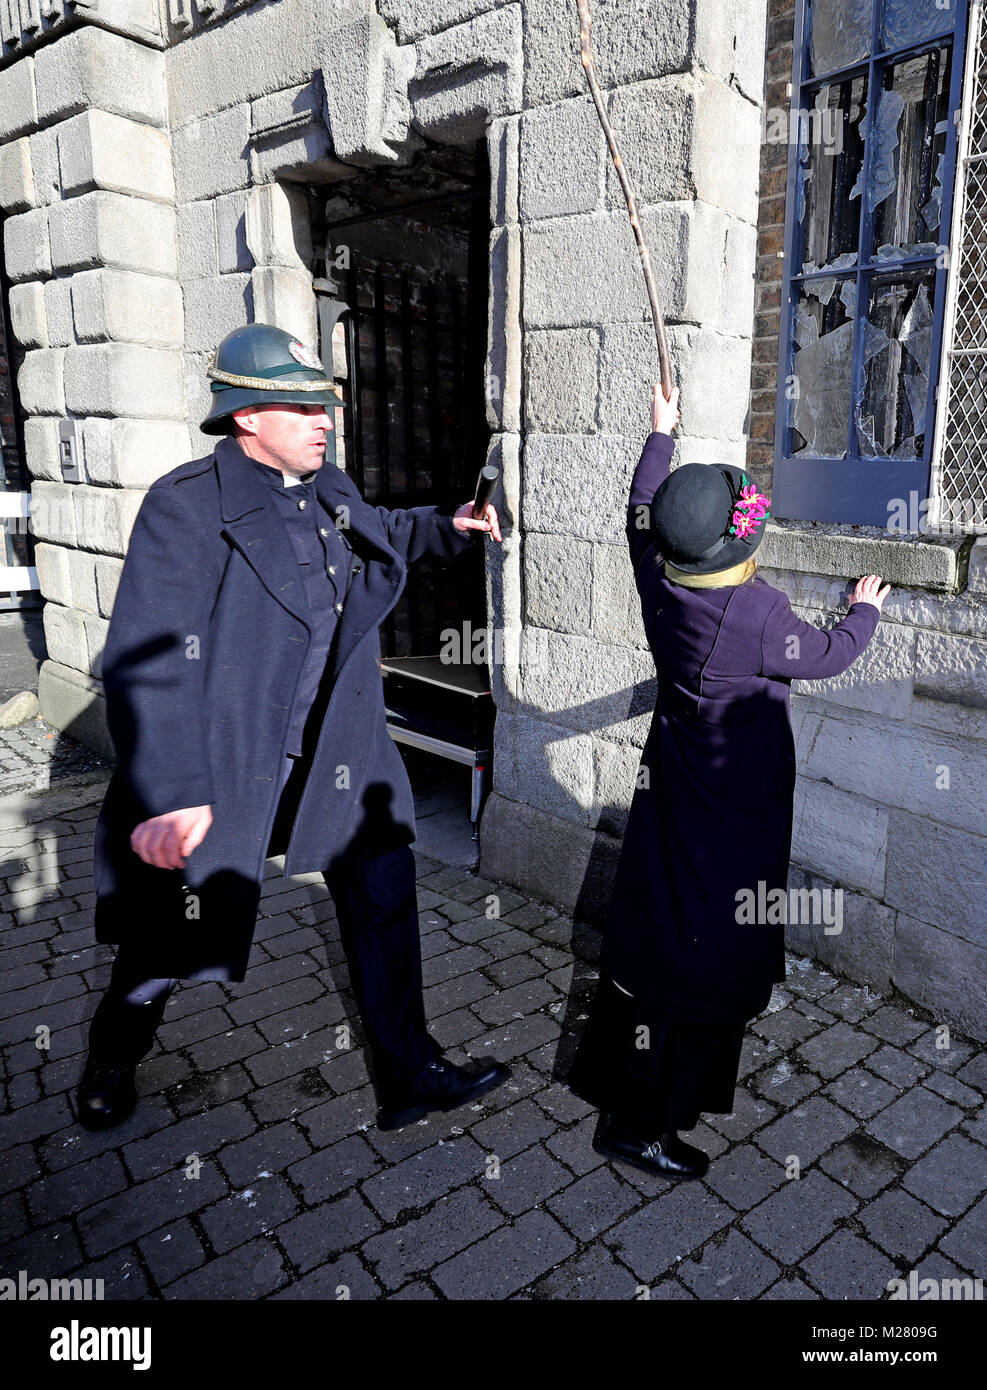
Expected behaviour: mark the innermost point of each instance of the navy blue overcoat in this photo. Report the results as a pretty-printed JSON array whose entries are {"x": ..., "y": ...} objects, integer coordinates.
[
  {"x": 207, "y": 641},
  {"x": 711, "y": 815}
]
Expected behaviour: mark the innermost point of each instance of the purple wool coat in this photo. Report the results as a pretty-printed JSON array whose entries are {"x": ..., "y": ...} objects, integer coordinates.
[{"x": 713, "y": 815}]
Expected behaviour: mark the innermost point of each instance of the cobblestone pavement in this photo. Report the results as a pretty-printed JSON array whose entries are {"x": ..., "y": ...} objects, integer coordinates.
[
  {"x": 35, "y": 756},
  {"x": 297, "y": 1193}
]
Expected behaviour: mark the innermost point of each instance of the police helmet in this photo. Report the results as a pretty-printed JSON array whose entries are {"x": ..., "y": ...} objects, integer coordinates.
[{"x": 262, "y": 365}]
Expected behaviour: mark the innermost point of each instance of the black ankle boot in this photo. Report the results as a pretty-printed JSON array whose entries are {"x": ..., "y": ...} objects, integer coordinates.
[
  {"x": 107, "y": 1094},
  {"x": 668, "y": 1156}
]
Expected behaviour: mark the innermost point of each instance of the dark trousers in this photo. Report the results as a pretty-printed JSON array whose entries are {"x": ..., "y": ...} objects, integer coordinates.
[{"x": 377, "y": 906}]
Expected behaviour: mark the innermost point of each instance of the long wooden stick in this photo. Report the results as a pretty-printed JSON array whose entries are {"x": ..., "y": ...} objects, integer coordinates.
[{"x": 589, "y": 64}]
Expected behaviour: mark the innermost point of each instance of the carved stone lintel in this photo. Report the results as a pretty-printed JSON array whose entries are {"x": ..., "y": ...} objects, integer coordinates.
[{"x": 366, "y": 75}]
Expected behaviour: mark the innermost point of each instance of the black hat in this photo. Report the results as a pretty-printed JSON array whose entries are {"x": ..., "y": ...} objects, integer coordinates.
[
  {"x": 708, "y": 517},
  {"x": 259, "y": 364}
]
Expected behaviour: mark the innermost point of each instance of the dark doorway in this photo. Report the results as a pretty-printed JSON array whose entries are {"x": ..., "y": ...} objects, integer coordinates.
[{"x": 406, "y": 251}]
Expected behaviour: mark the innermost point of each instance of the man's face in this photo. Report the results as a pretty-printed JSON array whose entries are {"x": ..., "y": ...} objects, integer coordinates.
[{"x": 289, "y": 437}]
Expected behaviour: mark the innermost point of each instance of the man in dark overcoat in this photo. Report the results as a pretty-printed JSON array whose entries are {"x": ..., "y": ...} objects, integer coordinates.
[{"x": 245, "y": 703}]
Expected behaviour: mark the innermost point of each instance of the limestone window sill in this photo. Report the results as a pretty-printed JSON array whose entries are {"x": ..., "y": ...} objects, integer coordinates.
[{"x": 931, "y": 561}]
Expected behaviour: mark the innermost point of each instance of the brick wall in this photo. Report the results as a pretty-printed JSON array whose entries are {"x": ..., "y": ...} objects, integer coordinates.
[{"x": 770, "y": 245}]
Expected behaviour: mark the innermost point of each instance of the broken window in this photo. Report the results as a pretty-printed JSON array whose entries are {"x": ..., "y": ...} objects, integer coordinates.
[
  {"x": 820, "y": 398},
  {"x": 839, "y": 33},
  {"x": 909, "y": 145},
  {"x": 875, "y": 84},
  {"x": 911, "y": 21},
  {"x": 890, "y": 417},
  {"x": 832, "y": 156}
]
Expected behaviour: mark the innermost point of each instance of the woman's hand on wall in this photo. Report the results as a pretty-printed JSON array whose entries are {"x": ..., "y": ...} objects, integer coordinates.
[
  {"x": 664, "y": 410},
  {"x": 868, "y": 590}
]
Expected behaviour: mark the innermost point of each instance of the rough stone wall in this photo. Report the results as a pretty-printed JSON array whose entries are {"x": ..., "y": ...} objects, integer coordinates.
[
  {"x": 891, "y": 798},
  {"x": 87, "y": 189}
]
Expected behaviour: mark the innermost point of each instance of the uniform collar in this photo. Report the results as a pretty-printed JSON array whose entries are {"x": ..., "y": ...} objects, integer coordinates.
[{"x": 276, "y": 479}]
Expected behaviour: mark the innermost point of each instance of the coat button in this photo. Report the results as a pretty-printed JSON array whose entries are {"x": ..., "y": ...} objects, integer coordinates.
[
  {"x": 357, "y": 569},
  {"x": 339, "y": 608},
  {"x": 323, "y": 531},
  {"x": 302, "y": 504},
  {"x": 332, "y": 569}
]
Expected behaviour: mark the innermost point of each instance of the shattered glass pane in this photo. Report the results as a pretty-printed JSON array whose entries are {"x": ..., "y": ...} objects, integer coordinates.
[
  {"x": 831, "y": 154},
  {"x": 906, "y": 165},
  {"x": 840, "y": 32},
  {"x": 907, "y": 22},
  {"x": 890, "y": 418},
  {"x": 820, "y": 398},
  {"x": 885, "y": 136}
]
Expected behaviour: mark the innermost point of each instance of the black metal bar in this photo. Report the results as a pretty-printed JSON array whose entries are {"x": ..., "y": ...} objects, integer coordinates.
[
  {"x": 411, "y": 453},
  {"x": 353, "y": 418},
  {"x": 380, "y": 374},
  {"x": 403, "y": 209},
  {"x": 927, "y": 164}
]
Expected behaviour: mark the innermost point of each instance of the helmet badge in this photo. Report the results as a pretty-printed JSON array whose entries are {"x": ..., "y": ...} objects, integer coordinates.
[{"x": 305, "y": 356}]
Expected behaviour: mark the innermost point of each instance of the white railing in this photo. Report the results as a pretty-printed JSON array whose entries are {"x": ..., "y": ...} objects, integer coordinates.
[{"x": 959, "y": 488}]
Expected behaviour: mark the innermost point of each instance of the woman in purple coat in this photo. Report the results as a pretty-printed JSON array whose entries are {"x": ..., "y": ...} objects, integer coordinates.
[{"x": 683, "y": 969}]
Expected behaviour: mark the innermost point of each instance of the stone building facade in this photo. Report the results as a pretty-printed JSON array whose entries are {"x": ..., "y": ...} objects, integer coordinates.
[{"x": 168, "y": 169}]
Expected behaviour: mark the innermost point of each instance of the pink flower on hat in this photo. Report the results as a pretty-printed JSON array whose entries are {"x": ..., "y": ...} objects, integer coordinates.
[
  {"x": 756, "y": 501},
  {"x": 744, "y": 523},
  {"x": 752, "y": 508}
]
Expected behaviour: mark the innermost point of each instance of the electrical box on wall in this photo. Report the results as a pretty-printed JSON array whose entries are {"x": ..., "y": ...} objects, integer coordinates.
[{"x": 68, "y": 451}]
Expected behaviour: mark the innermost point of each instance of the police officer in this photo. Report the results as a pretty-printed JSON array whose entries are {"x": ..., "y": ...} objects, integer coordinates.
[{"x": 245, "y": 703}]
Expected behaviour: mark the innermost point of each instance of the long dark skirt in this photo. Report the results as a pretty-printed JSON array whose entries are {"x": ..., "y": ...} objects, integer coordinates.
[{"x": 686, "y": 1068}]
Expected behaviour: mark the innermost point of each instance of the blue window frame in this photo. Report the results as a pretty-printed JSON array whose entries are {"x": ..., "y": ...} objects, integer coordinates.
[{"x": 867, "y": 221}]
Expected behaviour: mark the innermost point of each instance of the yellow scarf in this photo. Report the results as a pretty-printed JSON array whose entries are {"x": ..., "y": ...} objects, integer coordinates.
[{"x": 719, "y": 579}]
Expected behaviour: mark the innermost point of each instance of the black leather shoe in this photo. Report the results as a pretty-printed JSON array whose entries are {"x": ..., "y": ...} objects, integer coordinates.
[
  {"x": 106, "y": 1094},
  {"x": 440, "y": 1086},
  {"x": 668, "y": 1156}
]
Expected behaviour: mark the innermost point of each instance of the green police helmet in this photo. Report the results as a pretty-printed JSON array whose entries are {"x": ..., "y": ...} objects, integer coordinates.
[{"x": 262, "y": 365}]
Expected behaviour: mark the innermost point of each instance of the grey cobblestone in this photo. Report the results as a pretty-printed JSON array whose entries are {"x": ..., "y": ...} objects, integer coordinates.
[
  {"x": 594, "y": 1203},
  {"x": 862, "y": 1165},
  {"x": 334, "y": 1169},
  {"x": 126, "y": 1216},
  {"x": 453, "y": 1223},
  {"x": 504, "y": 1262},
  {"x": 300, "y": 1196},
  {"x": 246, "y": 1213},
  {"x": 807, "y": 1131},
  {"x": 860, "y": 1092},
  {"x": 172, "y": 1251},
  {"x": 418, "y": 1180},
  {"x": 667, "y": 1229},
  {"x": 732, "y": 1269},
  {"x": 255, "y": 1269},
  {"x": 900, "y": 1224},
  {"x": 914, "y": 1122},
  {"x": 845, "y": 1266},
  {"x": 512, "y": 1130},
  {"x": 527, "y": 1179},
  {"x": 797, "y": 1217}
]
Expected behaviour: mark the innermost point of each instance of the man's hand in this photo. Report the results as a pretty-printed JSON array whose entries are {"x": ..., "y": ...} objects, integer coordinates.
[
  {"x": 664, "y": 410},
  {"x": 868, "y": 590},
  {"x": 464, "y": 520},
  {"x": 164, "y": 841}
]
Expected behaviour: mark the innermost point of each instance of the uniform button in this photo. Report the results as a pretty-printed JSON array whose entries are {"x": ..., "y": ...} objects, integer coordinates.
[
  {"x": 323, "y": 531},
  {"x": 357, "y": 569},
  {"x": 332, "y": 569},
  {"x": 339, "y": 608},
  {"x": 302, "y": 504}
]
